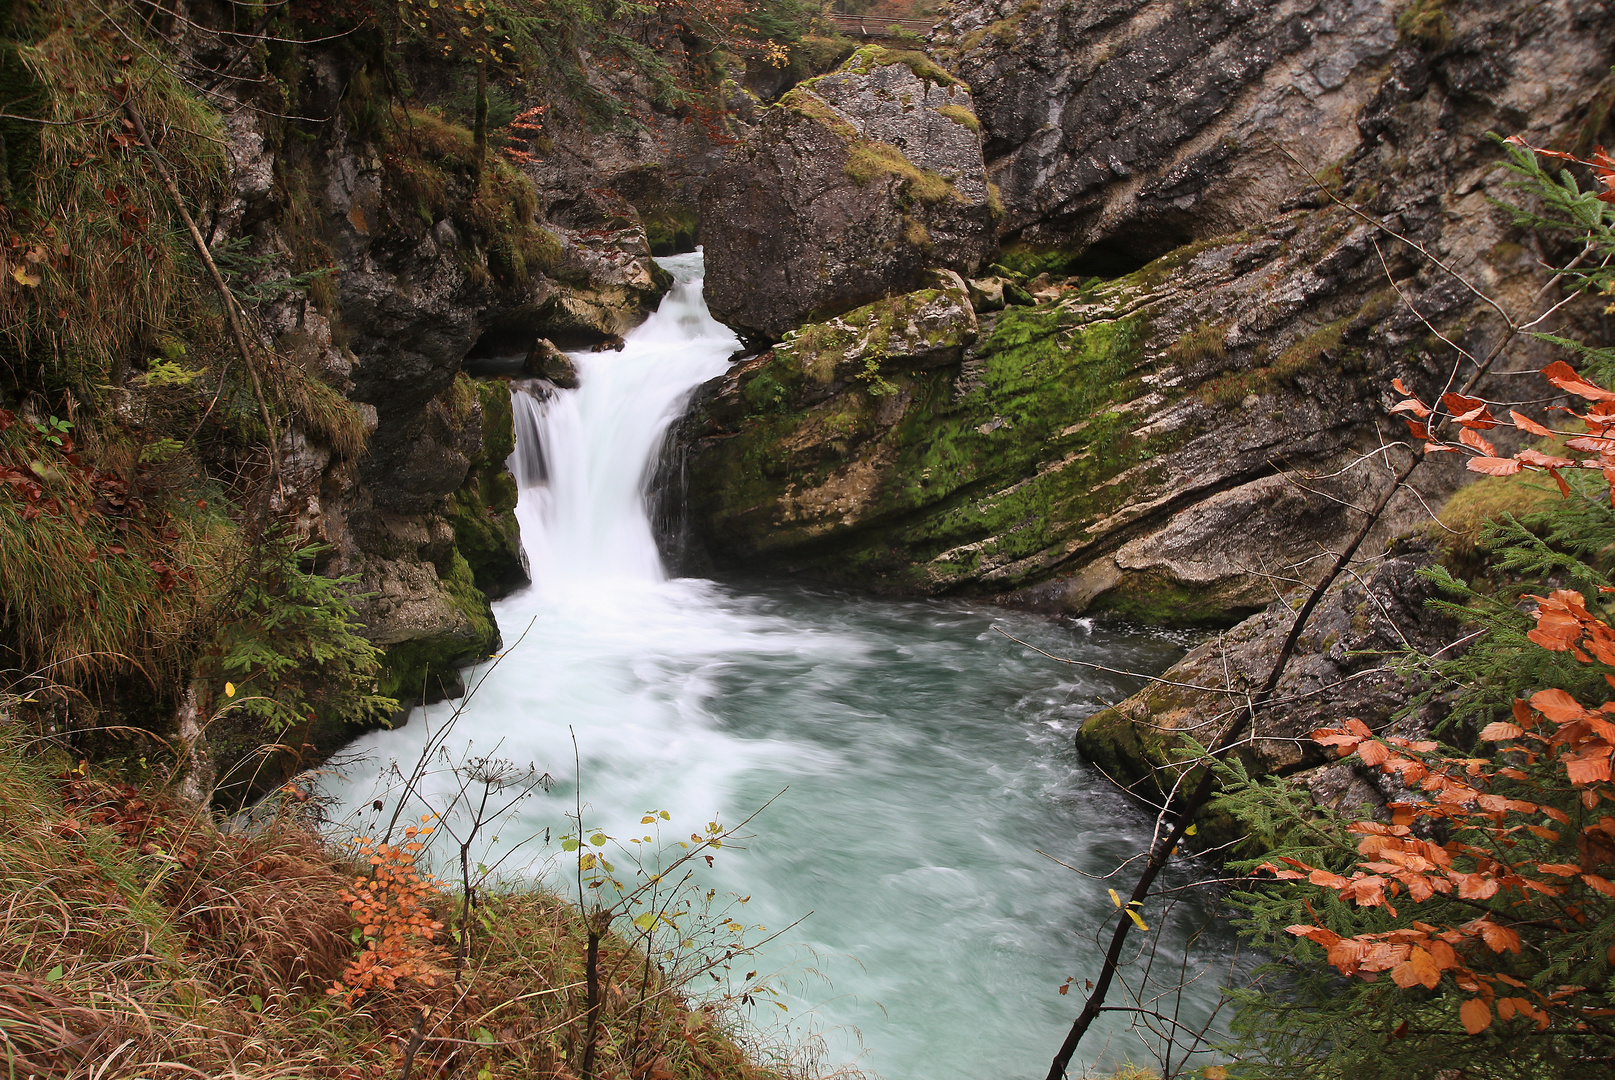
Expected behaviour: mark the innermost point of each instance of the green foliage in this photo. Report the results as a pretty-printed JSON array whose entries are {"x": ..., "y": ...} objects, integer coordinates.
[{"x": 292, "y": 647}]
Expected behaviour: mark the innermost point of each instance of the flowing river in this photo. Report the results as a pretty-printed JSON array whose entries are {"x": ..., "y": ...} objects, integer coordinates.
[{"x": 924, "y": 758}]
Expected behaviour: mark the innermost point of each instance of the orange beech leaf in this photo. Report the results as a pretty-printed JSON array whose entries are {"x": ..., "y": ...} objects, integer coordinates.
[
  {"x": 1417, "y": 429},
  {"x": 1401, "y": 387},
  {"x": 1564, "y": 488},
  {"x": 1494, "y": 466},
  {"x": 1497, "y": 938},
  {"x": 1499, "y": 730},
  {"x": 1373, "y": 752},
  {"x": 1591, "y": 443},
  {"x": 1475, "y": 1015},
  {"x": 1525, "y": 423},
  {"x": 1412, "y": 405},
  {"x": 1470, "y": 439},
  {"x": 1556, "y": 705},
  {"x": 1564, "y": 377},
  {"x": 1543, "y": 461},
  {"x": 1458, "y": 404},
  {"x": 1476, "y": 418},
  {"x": 1588, "y": 769}
]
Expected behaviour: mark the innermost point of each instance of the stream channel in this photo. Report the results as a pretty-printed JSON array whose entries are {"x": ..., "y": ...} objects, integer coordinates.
[{"x": 925, "y": 759}]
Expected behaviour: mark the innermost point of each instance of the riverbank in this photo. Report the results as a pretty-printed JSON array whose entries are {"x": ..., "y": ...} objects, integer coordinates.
[{"x": 141, "y": 938}]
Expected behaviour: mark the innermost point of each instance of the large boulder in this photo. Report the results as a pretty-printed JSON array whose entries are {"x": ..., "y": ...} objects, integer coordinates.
[{"x": 848, "y": 190}]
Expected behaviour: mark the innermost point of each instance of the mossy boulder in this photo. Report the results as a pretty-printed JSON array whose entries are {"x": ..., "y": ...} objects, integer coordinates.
[
  {"x": 851, "y": 188},
  {"x": 483, "y": 510},
  {"x": 1341, "y": 668}
]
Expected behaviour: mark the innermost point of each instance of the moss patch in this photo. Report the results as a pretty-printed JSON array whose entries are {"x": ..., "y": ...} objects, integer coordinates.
[
  {"x": 989, "y": 473},
  {"x": 483, "y": 510},
  {"x": 961, "y": 116},
  {"x": 869, "y": 161}
]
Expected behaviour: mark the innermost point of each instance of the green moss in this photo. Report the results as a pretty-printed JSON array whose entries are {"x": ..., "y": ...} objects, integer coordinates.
[
  {"x": 1002, "y": 470},
  {"x": 482, "y": 511},
  {"x": 1204, "y": 342},
  {"x": 1163, "y": 602},
  {"x": 1458, "y": 526},
  {"x": 431, "y": 664},
  {"x": 1029, "y": 260},
  {"x": 961, "y": 116},
  {"x": 1425, "y": 23},
  {"x": 671, "y": 230},
  {"x": 870, "y": 57},
  {"x": 804, "y": 102},
  {"x": 1301, "y": 356},
  {"x": 869, "y": 161}
]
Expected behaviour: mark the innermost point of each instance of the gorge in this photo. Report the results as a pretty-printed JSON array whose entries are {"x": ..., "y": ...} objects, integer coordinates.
[{"x": 740, "y": 408}]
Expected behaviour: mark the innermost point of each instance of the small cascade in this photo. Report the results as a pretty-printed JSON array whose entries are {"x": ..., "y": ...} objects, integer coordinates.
[
  {"x": 584, "y": 457},
  {"x": 914, "y": 763}
]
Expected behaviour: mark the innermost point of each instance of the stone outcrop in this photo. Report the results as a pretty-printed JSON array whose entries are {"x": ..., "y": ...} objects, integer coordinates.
[
  {"x": 1343, "y": 667},
  {"x": 850, "y": 189},
  {"x": 433, "y": 266},
  {"x": 1126, "y": 128},
  {"x": 1173, "y": 436}
]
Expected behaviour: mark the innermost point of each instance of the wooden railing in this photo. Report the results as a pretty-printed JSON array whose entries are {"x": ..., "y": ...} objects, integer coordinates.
[{"x": 878, "y": 26}]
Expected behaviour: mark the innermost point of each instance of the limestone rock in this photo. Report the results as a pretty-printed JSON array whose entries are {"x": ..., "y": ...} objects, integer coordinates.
[
  {"x": 1340, "y": 669},
  {"x": 848, "y": 190},
  {"x": 547, "y": 362},
  {"x": 1175, "y": 437}
]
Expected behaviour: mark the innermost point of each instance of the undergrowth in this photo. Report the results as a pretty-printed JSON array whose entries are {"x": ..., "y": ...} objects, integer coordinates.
[{"x": 141, "y": 938}]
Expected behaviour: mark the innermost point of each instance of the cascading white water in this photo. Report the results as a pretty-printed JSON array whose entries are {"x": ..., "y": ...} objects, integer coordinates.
[
  {"x": 583, "y": 457},
  {"x": 925, "y": 760}
]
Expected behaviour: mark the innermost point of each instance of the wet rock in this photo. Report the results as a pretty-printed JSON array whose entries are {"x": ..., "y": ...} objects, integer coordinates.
[
  {"x": 849, "y": 189},
  {"x": 1341, "y": 668},
  {"x": 1171, "y": 436},
  {"x": 545, "y": 361}
]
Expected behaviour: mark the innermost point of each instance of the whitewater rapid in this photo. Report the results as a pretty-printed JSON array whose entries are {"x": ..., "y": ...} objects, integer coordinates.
[{"x": 924, "y": 759}]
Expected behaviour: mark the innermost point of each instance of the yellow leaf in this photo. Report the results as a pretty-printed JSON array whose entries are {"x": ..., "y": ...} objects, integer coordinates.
[
  {"x": 1138, "y": 922},
  {"x": 1115, "y": 899},
  {"x": 27, "y": 275},
  {"x": 229, "y": 689},
  {"x": 1191, "y": 830},
  {"x": 1215, "y": 1072}
]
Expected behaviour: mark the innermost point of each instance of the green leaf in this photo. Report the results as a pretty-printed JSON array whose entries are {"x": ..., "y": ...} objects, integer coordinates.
[
  {"x": 54, "y": 974},
  {"x": 569, "y": 844},
  {"x": 598, "y": 839},
  {"x": 646, "y": 922}
]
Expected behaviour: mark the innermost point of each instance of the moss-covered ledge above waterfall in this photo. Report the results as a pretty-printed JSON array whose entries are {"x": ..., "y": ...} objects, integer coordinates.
[{"x": 1130, "y": 444}]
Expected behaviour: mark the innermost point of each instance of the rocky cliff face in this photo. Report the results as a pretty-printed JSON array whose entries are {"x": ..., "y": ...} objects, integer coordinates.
[
  {"x": 1179, "y": 435},
  {"x": 431, "y": 267},
  {"x": 850, "y": 189}
]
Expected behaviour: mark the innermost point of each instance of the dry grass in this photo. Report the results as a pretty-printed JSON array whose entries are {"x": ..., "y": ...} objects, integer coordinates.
[{"x": 137, "y": 938}]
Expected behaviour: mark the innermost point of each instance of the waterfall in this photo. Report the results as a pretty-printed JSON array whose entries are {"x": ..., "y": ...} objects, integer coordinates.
[
  {"x": 914, "y": 762},
  {"x": 584, "y": 457}
]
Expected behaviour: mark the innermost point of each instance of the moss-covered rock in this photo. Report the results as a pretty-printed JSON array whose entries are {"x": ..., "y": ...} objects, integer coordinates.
[
  {"x": 483, "y": 510},
  {"x": 850, "y": 189}
]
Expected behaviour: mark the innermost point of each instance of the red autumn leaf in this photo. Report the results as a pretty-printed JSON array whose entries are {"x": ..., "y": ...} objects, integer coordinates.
[
  {"x": 1543, "y": 461},
  {"x": 1412, "y": 405},
  {"x": 1564, "y": 377},
  {"x": 1525, "y": 423},
  {"x": 1458, "y": 404},
  {"x": 1494, "y": 466},
  {"x": 1470, "y": 439}
]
